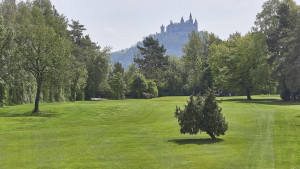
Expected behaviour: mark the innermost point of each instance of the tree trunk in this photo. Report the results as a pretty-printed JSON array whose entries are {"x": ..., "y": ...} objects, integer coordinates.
[
  {"x": 37, "y": 98},
  {"x": 212, "y": 136},
  {"x": 249, "y": 95}
]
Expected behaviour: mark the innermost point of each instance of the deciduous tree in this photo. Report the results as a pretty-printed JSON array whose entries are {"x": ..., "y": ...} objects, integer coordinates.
[
  {"x": 43, "y": 52},
  {"x": 240, "y": 64}
]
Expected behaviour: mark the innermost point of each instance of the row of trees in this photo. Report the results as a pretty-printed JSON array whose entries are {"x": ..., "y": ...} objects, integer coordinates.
[
  {"x": 41, "y": 59},
  {"x": 279, "y": 21},
  {"x": 44, "y": 57},
  {"x": 265, "y": 60},
  {"x": 238, "y": 65}
]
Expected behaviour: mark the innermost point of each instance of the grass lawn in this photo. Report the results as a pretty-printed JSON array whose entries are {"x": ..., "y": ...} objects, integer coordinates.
[{"x": 263, "y": 133}]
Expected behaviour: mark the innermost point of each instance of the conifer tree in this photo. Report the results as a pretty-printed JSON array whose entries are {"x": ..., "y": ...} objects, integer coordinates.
[
  {"x": 211, "y": 119},
  {"x": 202, "y": 115},
  {"x": 152, "y": 62}
]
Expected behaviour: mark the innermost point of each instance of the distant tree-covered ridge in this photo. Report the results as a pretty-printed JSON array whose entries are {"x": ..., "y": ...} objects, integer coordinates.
[
  {"x": 173, "y": 39},
  {"x": 173, "y": 42}
]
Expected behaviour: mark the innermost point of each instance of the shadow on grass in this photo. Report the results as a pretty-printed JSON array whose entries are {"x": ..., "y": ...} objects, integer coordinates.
[
  {"x": 195, "y": 141},
  {"x": 29, "y": 114},
  {"x": 274, "y": 102}
]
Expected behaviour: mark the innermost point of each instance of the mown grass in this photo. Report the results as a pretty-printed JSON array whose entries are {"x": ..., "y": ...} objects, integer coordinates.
[{"x": 263, "y": 133}]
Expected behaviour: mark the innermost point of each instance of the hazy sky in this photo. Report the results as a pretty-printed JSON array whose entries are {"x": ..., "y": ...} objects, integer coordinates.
[{"x": 121, "y": 23}]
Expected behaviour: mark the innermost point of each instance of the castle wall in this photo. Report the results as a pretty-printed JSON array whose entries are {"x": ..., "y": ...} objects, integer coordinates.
[
  {"x": 187, "y": 26},
  {"x": 182, "y": 27}
]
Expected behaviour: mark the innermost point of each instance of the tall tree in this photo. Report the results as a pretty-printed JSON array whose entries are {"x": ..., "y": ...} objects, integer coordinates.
[
  {"x": 90, "y": 63},
  {"x": 174, "y": 77},
  {"x": 97, "y": 68},
  {"x": 152, "y": 61},
  {"x": 239, "y": 65},
  {"x": 277, "y": 21},
  {"x": 196, "y": 53},
  {"x": 79, "y": 70},
  {"x": 77, "y": 31},
  {"x": 290, "y": 65},
  {"x": 6, "y": 47},
  {"x": 44, "y": 53}
]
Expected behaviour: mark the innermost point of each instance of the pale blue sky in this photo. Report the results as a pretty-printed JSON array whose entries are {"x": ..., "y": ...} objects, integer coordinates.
[{"x": 121, "y": 23}]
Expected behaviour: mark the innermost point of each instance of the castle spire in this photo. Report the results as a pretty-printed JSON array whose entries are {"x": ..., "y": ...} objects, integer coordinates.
[
  {"x": 162, "y": 29},
  {"x": 182, "y": 20},
  {"x": 196, "y": 25},
  {"x": 191, "y": 19}
]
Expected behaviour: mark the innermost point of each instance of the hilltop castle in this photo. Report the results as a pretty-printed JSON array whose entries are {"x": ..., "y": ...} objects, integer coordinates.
[{"x": 183, "y": 26}]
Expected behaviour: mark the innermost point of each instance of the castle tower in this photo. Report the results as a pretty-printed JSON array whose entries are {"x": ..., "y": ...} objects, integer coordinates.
[
  {"x": 181, "y": 27},
  {"x": 162, "y": 29},
  {"x": 182, "y": 20},
  {"x": 191, "y": 18},
  {"x": 196, "y": 25}
]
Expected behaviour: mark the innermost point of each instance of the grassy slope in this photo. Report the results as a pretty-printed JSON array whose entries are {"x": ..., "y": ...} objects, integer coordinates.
[{"x": 145, "y": 134}]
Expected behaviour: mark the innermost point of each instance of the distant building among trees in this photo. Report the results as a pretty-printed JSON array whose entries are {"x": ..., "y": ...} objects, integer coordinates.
[
  {"x": 172, "y": 36},
  {"x": 183, "y": 26}
]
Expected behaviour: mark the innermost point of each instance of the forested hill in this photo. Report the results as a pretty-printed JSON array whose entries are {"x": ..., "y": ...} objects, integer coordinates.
[{"x": 173, "y": 42}]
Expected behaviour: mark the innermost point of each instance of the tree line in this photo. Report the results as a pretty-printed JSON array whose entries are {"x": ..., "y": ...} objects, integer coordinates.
[
  {"x": 44, "y": 57},
  {"x": 43, "y": 60},
  {"x": 264, "y": 61}
]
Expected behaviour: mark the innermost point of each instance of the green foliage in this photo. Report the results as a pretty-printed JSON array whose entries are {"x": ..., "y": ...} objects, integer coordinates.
[
  {"x": 138, "y": 85},
  {"x": 152, "y": 61},
  {"x": 174, "y": 77},
  {"x": 189, "y": 118},
  {"x": 152, "y": 88},
  {"x": 118, "y": 68},
  {"x": 212, "y": 120},
  {"x": 202, "y": 114},
  {"x": 128, "y": 75},
  {"x": 44, "y": 53},
  {"x": 173, "y": 42},
  {"x": 196, "y": 53},
  {"x": 117, "y": 85},
  {"x": 239, "y": 65},
  {"x": 6, "y": 40},
  {"x": 45, "y": 58},
  {"x": 278, "y": 21},
  {"x": 97, "y": 67},
  {"x": 90, "y": 64}
]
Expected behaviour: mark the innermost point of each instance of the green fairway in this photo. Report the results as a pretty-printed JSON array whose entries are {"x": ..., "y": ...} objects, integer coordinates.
[{"x": 263, "y": 133}]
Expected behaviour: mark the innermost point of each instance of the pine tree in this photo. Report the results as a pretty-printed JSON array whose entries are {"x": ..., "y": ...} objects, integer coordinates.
[
  {"x": 188, "y": 118},
  {"x": 202, "y": 115},
  {"x": 152, "y": 62},
  {"x": 211, "y": 119}
]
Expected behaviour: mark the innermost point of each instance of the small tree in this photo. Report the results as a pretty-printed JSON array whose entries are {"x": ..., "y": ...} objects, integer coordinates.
[
  {"x": 202, "y": 115},
  {"x": 211, "y": 120}
]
